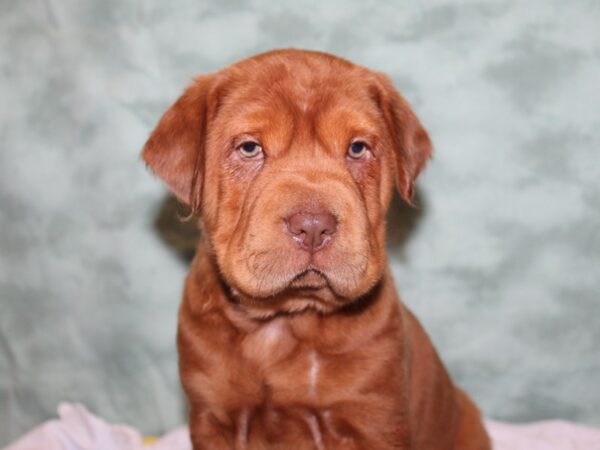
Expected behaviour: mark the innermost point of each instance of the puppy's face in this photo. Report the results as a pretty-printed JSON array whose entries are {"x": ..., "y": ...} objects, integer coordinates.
[{"x": 291, "y": 158}]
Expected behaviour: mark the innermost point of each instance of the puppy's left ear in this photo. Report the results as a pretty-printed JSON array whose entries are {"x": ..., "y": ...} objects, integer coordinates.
[
  {"x": 175, "y": 149},
  {"x": 412, "y": 146}
]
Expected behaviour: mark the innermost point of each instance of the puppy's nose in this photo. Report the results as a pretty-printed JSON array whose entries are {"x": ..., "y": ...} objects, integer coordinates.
[{"x": 312, "y": 230}]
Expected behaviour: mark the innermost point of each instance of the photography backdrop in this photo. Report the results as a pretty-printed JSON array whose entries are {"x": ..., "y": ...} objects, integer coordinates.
[{"x": 501, "y": 261}]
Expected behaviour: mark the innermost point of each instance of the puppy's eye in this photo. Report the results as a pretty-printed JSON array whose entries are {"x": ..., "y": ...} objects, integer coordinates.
[
  {"x": 250, "y": 149},
  {"x": 357, "y": 150}
]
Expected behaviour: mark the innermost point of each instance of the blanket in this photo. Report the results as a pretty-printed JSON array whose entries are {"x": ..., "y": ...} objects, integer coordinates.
[{"x": 78, "y": 429}]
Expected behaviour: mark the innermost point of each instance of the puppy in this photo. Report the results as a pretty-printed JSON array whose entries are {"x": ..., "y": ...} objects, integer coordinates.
[{"x": 291, "y": 334}]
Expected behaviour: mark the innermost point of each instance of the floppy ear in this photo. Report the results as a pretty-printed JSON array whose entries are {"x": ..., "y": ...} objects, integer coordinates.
[
  {"x": 175, "y": 149},
  {"x": 412, "y": 146}
]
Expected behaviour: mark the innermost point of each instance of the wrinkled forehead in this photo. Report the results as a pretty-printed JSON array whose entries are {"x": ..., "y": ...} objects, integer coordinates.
[{"x": 284, "y": 96}]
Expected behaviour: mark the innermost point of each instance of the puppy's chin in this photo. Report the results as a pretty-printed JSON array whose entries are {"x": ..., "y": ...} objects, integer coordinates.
[{"x": 309, "y": 290}]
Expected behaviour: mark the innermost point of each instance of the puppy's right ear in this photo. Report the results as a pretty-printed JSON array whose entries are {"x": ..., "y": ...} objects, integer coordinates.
[{"x": 175, "y": 149}]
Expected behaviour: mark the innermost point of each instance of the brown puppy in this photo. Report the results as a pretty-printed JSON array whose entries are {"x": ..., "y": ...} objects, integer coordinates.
[{"x": 291, "y": 335}]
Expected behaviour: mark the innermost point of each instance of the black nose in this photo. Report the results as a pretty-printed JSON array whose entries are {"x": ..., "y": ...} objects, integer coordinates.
[{"x": 312, "y": 230}]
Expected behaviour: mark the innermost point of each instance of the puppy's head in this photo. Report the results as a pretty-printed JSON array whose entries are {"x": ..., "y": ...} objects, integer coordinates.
[{"x": 290, "y": 158}]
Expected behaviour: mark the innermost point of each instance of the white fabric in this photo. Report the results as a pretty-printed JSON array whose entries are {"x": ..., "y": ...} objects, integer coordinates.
[{"x": 78, "y": 429}]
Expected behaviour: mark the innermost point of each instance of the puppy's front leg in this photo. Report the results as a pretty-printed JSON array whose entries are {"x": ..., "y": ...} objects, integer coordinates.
[{"x": 207, "y": 432}]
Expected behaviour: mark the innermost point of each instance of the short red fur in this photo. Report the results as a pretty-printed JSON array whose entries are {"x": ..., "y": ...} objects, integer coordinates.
[{"x": 284, "y": 344}]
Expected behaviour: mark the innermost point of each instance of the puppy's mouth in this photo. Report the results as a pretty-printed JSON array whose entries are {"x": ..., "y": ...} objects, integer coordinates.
[{"x": 309, "y": 279}]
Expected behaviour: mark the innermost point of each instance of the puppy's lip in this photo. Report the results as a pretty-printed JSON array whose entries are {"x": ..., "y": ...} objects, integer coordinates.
[{"x": 310, "y": 278}]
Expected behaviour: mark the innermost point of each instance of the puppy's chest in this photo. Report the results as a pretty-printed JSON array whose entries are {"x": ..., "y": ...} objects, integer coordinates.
[{"x": 287, "y": 365}]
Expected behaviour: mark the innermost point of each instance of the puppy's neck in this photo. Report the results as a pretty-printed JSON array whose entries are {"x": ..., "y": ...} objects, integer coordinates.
[{"x": 206, "y": 295}]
